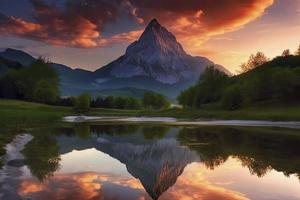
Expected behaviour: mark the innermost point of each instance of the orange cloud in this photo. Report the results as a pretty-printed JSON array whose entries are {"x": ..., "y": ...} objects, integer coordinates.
[
  {"x": 90, "y": 186},
  {"x": 193, "y": 185},
  {"x": 81, "y": 24},
  {"x": 78, "y": 186},
  {"x": 18, "y": 26},
  {"x": 122, "y": 37},
  {"x": 194, "y": 29}
]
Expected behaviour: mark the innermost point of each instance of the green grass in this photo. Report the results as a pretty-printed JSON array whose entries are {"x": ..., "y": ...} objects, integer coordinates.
[
  {"x": 24, "y": 114},
  {"x": 14, "y": 113}
]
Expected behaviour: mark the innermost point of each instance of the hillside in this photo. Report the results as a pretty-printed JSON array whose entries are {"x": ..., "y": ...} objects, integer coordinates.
[{"x": 276, "y": 81}]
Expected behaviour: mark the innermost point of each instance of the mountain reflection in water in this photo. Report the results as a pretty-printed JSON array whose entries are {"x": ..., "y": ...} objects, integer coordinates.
[{"x": 131, "y": 162}]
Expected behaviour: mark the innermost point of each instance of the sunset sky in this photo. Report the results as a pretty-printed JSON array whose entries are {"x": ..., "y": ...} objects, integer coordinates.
[{"x": 91, "y": 33}]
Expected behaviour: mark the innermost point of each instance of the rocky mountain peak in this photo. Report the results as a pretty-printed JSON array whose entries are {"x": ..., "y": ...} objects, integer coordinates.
[
  {"x": 157, "y": 39},
  {"x": 158, "y": 56}
]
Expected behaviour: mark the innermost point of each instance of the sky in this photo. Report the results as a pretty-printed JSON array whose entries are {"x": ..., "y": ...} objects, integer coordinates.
[{"x": 91, "y": 33}]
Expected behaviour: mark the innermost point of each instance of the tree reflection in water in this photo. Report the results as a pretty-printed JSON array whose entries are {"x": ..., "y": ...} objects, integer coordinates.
[
  {"x": 258, "y": 149},
  {"x": 157, "y": 155},
  {"x": 42, "y": 154}
]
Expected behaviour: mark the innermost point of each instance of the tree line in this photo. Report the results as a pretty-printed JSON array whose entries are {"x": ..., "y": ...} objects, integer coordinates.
[
  {"x": 261, "y": 80},
  {"x": 37, "y": 82},
  {"x": 150, "y": 100},
  {"x": 40, "y": 83}
]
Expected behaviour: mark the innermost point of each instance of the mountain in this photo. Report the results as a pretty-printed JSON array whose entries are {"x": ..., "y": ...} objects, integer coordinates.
[
  {"x": 17, "y": 56},
  {"x": 72, "y": 81},
  {"x": 157, "y": 55},
  {"x": 157, "y": 163},
  {"x": 6, "y": 65},
  {"x": 155, "y": 62}
]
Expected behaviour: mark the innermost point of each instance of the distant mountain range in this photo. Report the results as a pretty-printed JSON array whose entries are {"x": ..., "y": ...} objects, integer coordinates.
[{"x": 156, "y": 62}]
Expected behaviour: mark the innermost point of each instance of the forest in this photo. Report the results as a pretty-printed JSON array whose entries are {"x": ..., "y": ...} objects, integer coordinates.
[{"x": 261, "y": 80}]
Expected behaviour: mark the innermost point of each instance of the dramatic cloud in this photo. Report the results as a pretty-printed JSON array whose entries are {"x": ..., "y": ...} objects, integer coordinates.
[
  {"x": 80, "y": 23},
  {"x": 90, "y": 186},
  {"x": 194, "y": 22}
]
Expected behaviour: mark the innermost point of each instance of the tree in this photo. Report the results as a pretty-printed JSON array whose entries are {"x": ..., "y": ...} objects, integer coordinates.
[
  {"x": 187, "y": 97},
  {"x": 109, "y": 102},
  {"x": 8, "y": 88},
  {"x": 42, "y": 155},
  {"x": 283, "y": 84},
  {"x": 210, "y": 87},
  {"x": 208, "y": 90},
  {"x": 120, "y": 102},
  {"x": 97, "y": 103},
  {"x": 297, "y": 53},
  {"x": 232, "y": 98},
  {"x": 254, "y": 61},
  {"x": 155, "y": 101},
  {"x": 286, "y": 53},
  {"x": 133, "y": 103},
  {"x": 82, "y": 103},
  {"x": 116, "y": 102},
  {"x": 45, "y": 92},
  {"x": 27, "y": 79}
]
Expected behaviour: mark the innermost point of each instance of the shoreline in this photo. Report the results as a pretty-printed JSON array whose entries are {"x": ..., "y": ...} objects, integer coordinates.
[{"x": 178, "y": 122}]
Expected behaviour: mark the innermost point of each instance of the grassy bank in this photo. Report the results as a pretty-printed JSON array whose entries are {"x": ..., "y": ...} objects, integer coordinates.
[
  {"x": 25, "y": 114},
  {"x": 17, "y": 116},
  {"x": 15, "y": 113}
]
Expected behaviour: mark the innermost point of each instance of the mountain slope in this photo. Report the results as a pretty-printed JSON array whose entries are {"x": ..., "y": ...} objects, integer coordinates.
[
  {"x": 156, "y": 164},
  {"x": 72, "y": 81},
  {"x": 17, "y": 56},
  {"x": 157, "y": 55}
]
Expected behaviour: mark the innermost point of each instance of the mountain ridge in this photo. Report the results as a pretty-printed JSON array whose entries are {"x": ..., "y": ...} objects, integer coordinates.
[{"x": 155, "y": 62}]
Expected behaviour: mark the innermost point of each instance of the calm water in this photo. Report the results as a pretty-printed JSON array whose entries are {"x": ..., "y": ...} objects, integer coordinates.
[{"x": 141, "y": 162}]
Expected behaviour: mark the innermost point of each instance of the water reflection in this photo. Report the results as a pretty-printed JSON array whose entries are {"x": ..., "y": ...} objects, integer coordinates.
[
  {"x": 258, "y": 149},
  {"x": 129, "y": 161}
]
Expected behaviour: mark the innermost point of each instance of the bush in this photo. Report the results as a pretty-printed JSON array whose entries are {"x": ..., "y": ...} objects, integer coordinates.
[
  {"x": 82, "y": 103},
  {"x": 232, "y": 98}
]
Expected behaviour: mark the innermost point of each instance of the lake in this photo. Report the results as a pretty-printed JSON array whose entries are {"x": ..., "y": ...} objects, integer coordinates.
[{"x": 144, "y": 161}]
